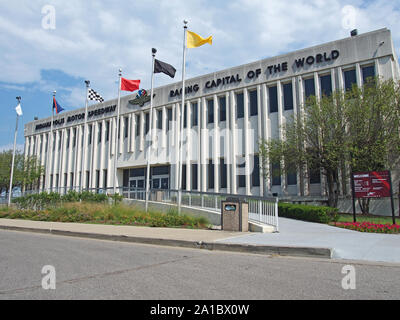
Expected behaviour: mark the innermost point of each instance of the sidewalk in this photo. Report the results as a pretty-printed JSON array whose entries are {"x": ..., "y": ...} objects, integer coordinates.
[
  {"x": 345, "y": 244},
  {"x": 189, "y": 238}
]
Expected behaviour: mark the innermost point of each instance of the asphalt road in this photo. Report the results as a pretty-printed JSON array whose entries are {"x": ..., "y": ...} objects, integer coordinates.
[{"x": 95, "y": 269}]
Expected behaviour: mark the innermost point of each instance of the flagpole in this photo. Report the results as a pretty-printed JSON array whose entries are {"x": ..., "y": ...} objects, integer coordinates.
[
  {"x": 83, "y": 159},
  {"x": 153, "y": 51},
  {"x": 13, "y": 157},
  {"x": 180, "y": 134},
  {"x": 49, "y": 145},
  {"x": 116, "y": 133}
]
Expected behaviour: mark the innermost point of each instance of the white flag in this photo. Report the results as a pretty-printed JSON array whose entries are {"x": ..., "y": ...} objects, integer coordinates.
[{"x": 18, "y": 109}]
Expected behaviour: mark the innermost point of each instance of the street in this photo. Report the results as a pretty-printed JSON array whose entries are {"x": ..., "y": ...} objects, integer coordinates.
[{"x": 96, "y": 269}]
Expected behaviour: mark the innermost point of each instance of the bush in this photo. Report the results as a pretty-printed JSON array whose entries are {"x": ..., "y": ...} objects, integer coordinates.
[{"x": 308, "y": 213}]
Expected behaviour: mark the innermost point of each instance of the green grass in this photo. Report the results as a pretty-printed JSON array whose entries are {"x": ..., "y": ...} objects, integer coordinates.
[
  {"x": 87, "y": 212},
  {"x": 344, "y": 217}
]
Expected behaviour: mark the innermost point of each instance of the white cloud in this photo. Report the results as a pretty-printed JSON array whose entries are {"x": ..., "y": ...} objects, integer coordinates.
[{"x": 92, "y": 40}]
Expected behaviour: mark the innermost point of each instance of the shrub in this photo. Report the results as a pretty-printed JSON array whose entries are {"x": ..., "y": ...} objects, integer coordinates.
[{"x": 308, "y": 213}]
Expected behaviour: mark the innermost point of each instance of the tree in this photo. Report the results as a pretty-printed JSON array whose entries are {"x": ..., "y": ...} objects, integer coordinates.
[
  {"x": 358, "y": 129},
  {"x": 26, "y": 171}
]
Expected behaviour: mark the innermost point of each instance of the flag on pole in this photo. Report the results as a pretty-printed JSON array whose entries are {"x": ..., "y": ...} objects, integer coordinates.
[
  {"x": 57, "y": 106},
  {"x": 129, "y": 85},
  {"x": 194, "y": 40},
  {"x": 18, "y": 109},
  {"x": 93, "y": 95},
  {"x": 162, "y": 67}
]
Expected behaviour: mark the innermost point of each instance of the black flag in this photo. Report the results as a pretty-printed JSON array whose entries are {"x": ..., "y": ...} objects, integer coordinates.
[{"x": 163, "y": 67}]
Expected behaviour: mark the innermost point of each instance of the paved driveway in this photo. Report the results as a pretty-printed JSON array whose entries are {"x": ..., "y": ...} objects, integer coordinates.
[{"x": 346, "y": 244}]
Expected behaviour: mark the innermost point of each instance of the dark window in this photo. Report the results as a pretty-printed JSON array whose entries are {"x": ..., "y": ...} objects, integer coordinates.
[
  {"x": 273, "y": 99},
  {"x": 169, "y": 116},
  {"x": 137, "y": 125},
  {"x": 195, "y": 121},
  {"x": 210, "y": 111},
  {"x": 157, "y": 171},
  {"x": 194, "y": 176},
  {"x": 74, "y": 142},
  {"x": 349, "y": 79},
  {"x": 223, "y": 173},
  {"x": 90, "y": 134},
  {"x": 54, "y": 141},
  {"x": 126, "y": 127},
  {"x": 326, "y": 85},
  {"x": 239, "y": 105},
  {"x": 276, "y": 174},
  {"x": 105, "y": 178},
  {"x": 241, "y": 177},
  {"x": 159, "y": 119},
  {"x": 119, "y": 128},
  {"x": 139, "y": 172},
  {"x": 59, "y": 141},
  {"x": 185, "y": 113},
  {"x": 87, "y": 179},
  {"x": 291, "y": 178},
  {"x": 99, "y": 134},
  {"x": 253, "y": 103},
  {"x": 184, "y": 177},
  {"x": 97, "y": 180},
  {"x": 309, "y": 87},
  {"x": 210, "y": 174},
  {"x": 107, "y": 130},
  {"x": 222, "y": 108},
  {"x": 255, "y": 177},
  {"x": 71, "y": 182},
  {"x": 147, "y": 125},
  {"x": 315, "y": 175},
  {"x": 68, "y": 138},
  {"x": 368, "y": 73},
  {"x": 125, "y": 180},
  {"x": 288, "y": 96}
]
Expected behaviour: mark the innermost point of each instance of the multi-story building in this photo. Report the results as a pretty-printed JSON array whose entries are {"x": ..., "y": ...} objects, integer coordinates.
[{"x": 226, "y": 113}]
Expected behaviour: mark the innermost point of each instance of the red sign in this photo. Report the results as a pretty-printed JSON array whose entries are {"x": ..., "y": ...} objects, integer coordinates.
[{"x": 372, "y": 184}]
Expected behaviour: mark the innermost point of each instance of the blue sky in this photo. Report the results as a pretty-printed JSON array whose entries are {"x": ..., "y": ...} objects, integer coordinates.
[{"x": 93, "y": 39}]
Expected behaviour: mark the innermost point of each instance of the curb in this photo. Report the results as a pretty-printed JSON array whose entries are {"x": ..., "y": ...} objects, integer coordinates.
[{"x": 311, "y": 252}]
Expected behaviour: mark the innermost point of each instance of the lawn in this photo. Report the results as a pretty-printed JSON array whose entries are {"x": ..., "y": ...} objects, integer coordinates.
[
  {"x": 103, "y": 213},
  {"x": 345, "y": 217}
]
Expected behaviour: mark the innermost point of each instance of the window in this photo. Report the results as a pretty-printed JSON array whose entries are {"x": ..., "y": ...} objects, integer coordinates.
[
  {"x": 255, "y": 177},
  {"x": 253, "y": 103},
  {"x": 288, "y": 96},
  {"x": 147, "y": 124},
  {"x": 276, "y": 174},
  {"x": 291, "y": 178},
  {"x": 99, "y": 133},
  {"x": 368, "y": 73},
  {"x": 183, "y": 176},
  {"x": 87, "y": 179},
  {"x": 195, "y": 121},
  {"x": 74, "y": 142},
  {"x": 105, "y": 178},
  {"x": 107, "y": 131},
  {"x": 68, "y": 138},
  {"x": 185, "y": 116},
  {"x": 326, "y": 85},
  {"x": 71, "y": 182},
  {"x": 241, "y": 168},
  {"x": 222, "y": 108},
  {"x": 273, "y": 99},
  {"x": 349, "y": 79},
  {"x": 169, "y": 116},
  {"x": 210, "y": 174},
  {"x": 59, "y": 141},
  {"x": 97, "y": 180},
  {"x": 223, "y": 173},
  {"x": 309, "y": 87},
  {"x": 137, "y": 125},
  {"x": 194, "y": 176},
  {"x": 90, "y": 134},
  {"x": 159, "y": 119},
  {"x": 210, "y": 111},
  {"x": 54, "y": 141},
  {"x": 239, "y": 105},
  {"x": 315, "y": 175},
  {"x": 126, "y": 127}
]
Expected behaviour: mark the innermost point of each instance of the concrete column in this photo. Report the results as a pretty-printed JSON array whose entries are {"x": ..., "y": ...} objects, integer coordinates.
[
  {"x": 188, "y": 146},
  {"x": 216, "y": 147},
  {"x": 260, "y": 111},
  {"x": 246, "y": 140},
  {"x": 204, "y": 138},
  {"x": 233, "y": 139},
  {"x": 228, "y": 144},
  {"x": 142, "y": 135}
]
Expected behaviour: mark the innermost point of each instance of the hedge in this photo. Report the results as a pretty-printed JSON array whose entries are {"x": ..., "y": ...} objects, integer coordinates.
[{"x": 308, "y": 213}]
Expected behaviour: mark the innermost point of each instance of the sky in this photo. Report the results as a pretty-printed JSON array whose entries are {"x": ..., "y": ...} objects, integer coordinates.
[{"x": 57, "y": 45}]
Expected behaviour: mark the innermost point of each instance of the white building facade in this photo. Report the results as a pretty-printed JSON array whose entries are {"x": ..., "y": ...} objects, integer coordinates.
[{"x": 226, "y": 115}]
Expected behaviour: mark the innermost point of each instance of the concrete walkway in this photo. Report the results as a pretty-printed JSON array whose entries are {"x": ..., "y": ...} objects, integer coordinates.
[{"x": 346, "y": 244}]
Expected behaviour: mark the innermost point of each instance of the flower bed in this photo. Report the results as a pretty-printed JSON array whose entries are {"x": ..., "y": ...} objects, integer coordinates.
[{"x": 369, "y": 227}]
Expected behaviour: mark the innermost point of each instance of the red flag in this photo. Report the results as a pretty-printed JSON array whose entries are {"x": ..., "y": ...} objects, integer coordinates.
[{"x": 129, "y": 85}]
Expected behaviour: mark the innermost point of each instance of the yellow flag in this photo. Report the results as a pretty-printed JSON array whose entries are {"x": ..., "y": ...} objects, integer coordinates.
[{"x": 194, "y": 40}]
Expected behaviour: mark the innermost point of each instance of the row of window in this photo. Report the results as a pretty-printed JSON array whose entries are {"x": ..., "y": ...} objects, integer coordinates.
[{"x": 71, "y": 180}]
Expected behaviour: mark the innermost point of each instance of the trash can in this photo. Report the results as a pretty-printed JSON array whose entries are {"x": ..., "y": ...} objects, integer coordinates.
[{"x": 234, "y": 215}]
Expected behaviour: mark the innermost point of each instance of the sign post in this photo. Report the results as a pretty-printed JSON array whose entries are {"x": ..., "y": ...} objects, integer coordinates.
[{"x": 374, "y": 184}]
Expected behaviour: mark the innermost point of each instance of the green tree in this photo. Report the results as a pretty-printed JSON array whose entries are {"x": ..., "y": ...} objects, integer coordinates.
[
  {"x": 358, "y": 129},
  {"x": 26, "y": 171}
]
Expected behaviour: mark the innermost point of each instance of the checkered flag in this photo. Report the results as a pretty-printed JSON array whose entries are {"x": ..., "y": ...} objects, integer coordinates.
[{"x": 93, "y": 95}]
